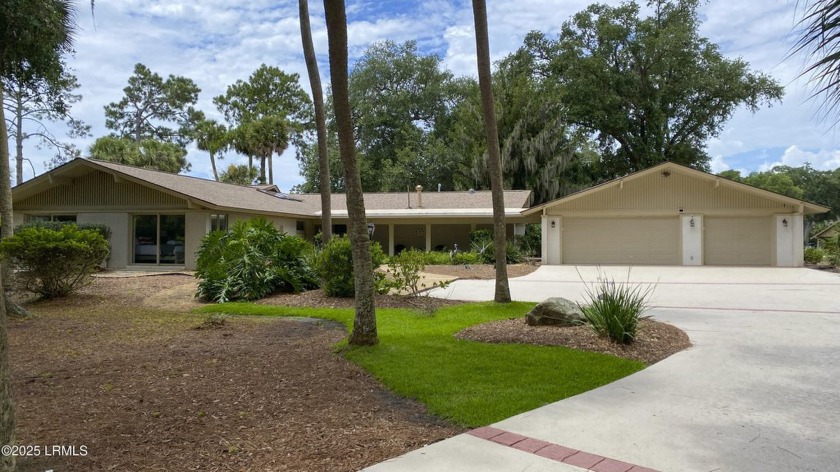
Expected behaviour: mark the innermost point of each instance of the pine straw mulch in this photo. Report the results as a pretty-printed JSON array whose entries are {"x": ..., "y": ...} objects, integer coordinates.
[
  {"x": 480, "y": 271},
  {"x": 654, "y": 340},
  {"x": 143, "y": 389}
]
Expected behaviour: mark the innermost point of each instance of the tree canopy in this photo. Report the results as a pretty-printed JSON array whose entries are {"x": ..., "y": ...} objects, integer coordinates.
[
  {"x": 147, "y": 153},
  {"x": 650, "y": 89},
  {"x": 154, "y": 108}
]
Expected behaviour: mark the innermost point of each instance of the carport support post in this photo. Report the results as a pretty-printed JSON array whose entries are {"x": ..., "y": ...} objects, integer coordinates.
[
  {"x": 391, "y": 240},
  {"x": 428, "y": 237}
]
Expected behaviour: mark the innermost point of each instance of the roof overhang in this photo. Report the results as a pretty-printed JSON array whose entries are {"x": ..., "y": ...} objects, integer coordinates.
[{"x": 430, "y": 213}]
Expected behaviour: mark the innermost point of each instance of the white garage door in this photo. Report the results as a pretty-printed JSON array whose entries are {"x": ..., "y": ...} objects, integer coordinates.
[
  {"x": 643, "y": 241},
  {"x": 737, "y": 241}
]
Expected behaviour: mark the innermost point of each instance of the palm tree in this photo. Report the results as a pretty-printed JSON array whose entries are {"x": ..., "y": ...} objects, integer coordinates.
[
  {"x": 820, "y": 40},
  {"x": 320, "y": 120},
  {"x": 33, "y": 35},
  {"x": 494, "y": 161},
  {"x": 211, "y": 136},
  {"x": 364, "y": 324}
]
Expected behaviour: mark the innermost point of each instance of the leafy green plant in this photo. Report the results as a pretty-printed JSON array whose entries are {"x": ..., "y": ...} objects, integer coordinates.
[
  {"x": 615, "y": 308},
  {"x": 530, "y": 244},
  {"x": 814, "y": 255},
  {"x": 481, "y": 243},
  {"x": 405, "y": 270},
  {"x": 250, "y": 261},
  {"x": 334, "y": 265},
  {"x": 832, "y": 250},
  {"x": 104, "y": 230},
  {"x": 55, "y": 262}
]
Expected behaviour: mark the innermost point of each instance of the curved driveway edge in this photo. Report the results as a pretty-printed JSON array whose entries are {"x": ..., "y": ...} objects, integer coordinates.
[{"x": 759, "y": 391}]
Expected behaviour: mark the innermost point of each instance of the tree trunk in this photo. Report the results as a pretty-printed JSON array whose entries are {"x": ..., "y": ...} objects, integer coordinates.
[
  {"x": 213, "y": 164},
  {"x": 320, "y": 121},
  {"x": 271, "y": 167},
  {"x": 19, "y": 139},
  {"x": 494, "y": 161},
  {"x": 364, "y": 324},
  {"x": 262, "y": 170},
  {"x": 7, "y": 412}
]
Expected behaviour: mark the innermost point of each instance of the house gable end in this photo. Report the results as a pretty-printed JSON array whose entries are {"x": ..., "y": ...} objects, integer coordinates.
[
  {"x": 670, "y": 192},
  {"x": 99, "y": 190}
]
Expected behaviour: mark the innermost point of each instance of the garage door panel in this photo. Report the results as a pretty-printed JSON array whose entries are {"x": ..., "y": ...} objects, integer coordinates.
[
  {"x": 640, "y": 241},
  {"x": 737, "y": 241}
]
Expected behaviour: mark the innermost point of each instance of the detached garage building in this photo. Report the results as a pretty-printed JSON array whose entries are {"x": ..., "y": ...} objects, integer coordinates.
[{"x": 674, "y": 215}]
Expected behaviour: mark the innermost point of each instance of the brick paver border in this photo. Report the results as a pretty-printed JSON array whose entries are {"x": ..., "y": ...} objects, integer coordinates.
[{"x": 593, "y": 462}]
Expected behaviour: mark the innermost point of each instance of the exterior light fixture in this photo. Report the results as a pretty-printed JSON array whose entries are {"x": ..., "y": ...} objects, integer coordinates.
[
  {"x": 691, "y": 222},
  {"x": 784, "y": 222},
  {"x": 553, "y": 224}
]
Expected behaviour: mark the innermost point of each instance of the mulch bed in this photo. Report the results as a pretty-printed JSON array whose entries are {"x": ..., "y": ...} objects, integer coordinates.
[
  {"x": 480, "y": 271},
  {"x": 318, "y": 299},
  {"x": 144, "y": 389},
  {"x": 654, "y": 340}
]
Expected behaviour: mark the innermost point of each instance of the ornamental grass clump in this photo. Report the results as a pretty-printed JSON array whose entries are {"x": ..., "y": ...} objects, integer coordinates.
[{"x": 614, "y": 309}]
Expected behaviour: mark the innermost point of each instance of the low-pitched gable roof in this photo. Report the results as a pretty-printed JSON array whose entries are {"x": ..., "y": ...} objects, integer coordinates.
[
  {"x": 266, "y": 199},
  {"x": 808, "y": 208},
  {"x": 828, "y": 229}
]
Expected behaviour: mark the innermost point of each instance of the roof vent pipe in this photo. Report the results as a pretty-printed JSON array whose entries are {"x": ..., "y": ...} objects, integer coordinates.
[{"x": 419, "y": 189}]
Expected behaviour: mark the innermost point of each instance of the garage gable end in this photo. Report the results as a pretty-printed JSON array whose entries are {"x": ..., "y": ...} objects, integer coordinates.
[
  {"x": 99, "y": 190},
  {"x": 669, "y": 192}
]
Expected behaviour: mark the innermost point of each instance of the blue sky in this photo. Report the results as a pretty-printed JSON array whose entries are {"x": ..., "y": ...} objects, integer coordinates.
[{"x": 216, "y": 42}]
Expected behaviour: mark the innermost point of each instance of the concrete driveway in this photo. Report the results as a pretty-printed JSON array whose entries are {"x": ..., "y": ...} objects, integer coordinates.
[{"x": 758, "y": 391}]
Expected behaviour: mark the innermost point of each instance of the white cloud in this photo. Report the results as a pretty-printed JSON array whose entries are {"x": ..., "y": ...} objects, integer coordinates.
[
  {"x": 824, "y": 159},
  {"x": 718, "y": 164}
]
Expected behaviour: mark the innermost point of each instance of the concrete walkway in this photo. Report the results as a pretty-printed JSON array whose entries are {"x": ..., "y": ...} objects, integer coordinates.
[{"x": 759, "y": 391}]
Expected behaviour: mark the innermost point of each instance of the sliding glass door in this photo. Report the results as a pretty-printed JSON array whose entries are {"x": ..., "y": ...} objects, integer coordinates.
[{"x": 159, "y": 239}]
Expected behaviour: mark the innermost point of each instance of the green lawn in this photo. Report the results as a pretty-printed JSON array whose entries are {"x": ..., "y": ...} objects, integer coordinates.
[{"x": 470, "y": 383}]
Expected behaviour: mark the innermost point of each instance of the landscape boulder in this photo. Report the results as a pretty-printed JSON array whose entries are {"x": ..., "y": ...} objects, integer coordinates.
[{"x": 555, "y": 311}]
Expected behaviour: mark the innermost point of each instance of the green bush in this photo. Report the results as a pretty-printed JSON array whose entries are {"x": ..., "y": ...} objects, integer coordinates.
[
  {"x": 832, "y": 250},
  {"x": 104, "y": 230},
  {"x": 814, "y": 255},
  {"x": 481, "y": 242},
  {"x": 252, "y": 260},
  {"x": 405, "y": 269},
  {"x": 530, "y": 244},
  {"x": 615, "y": 308},
  {"x": 334, "y": 265},
  {"x": 55, "y": 262}
]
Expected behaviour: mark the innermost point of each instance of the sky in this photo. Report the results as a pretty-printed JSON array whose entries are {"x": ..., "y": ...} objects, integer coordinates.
[{"x": 216, "y": 42}]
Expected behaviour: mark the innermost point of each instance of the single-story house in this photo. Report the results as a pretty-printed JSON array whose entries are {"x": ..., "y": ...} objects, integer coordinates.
[
  {"x": 158, "y": 218},
  {"x": 674, "y": 215},
  {"x": 827, "y": 233},
  {"x": 665, "y": 215}
]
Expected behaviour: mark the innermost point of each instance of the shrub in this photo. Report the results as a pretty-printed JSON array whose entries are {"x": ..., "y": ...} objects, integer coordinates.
[
  {"x": 334, "y": 265},
  {"x": 530, "y": 244},
  {"x": 615, "y": 308},
  {"x": 250, "y": 261},
  {"x": 482, "y": 243},
  {"x": 55, "y": 262},
  {"x": 832, "y": 250},
  {"x": 814, "y": 255},
  {"x": 405, "y": 269},
  {"x": 104, "y": 230}
]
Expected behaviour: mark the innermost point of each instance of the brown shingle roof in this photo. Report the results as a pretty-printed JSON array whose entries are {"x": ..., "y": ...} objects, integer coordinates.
[
  {"x": 215, "y": 193},
  {"x": 431, "y": 200},
  {"x": 256, "y": 199}
]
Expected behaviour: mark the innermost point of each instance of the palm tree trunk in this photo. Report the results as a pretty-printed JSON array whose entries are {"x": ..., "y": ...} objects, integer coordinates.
[
  {"x": 262, "y": 170},
  {"x": 7, "y": 411},
  {"x": 320, "y": 121},
  {"x": 270, "y": 158},
  {"x": 213, "y": 164},
  {"x": 494, "y": 161},
  {"x": 364, "y": 324}
]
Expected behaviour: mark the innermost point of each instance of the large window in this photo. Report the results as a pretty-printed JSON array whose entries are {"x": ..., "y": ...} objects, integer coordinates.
[{"x": 159, "y": 239}]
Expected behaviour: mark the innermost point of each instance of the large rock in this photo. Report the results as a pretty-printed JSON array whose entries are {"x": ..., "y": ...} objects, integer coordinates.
[{"x": 555, "y": 312}]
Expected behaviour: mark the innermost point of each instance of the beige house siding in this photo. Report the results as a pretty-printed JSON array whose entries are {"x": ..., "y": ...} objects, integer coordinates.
[
  {"x": 120, "y": 225},
  {"x": 654, "y": 194},
  {"x": 100, "y": 191}
]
